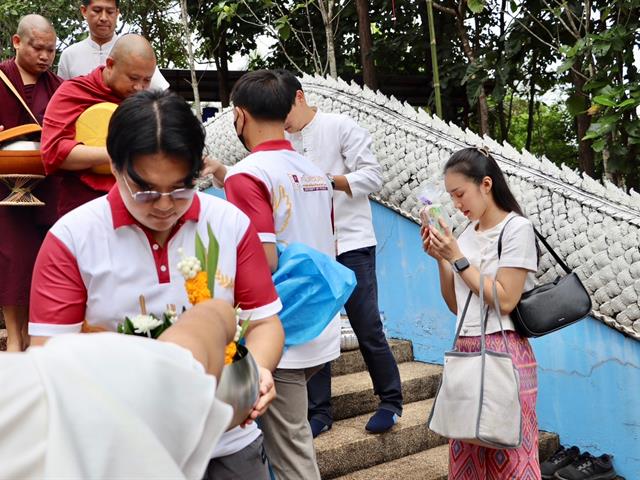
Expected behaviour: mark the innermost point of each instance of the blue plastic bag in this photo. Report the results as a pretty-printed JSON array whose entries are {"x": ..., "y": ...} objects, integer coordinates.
[{"x": 313, "y": 288}]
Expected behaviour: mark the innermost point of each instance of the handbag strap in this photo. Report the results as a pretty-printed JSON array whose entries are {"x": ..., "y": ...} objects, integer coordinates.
[
  {"x": 484, "y": 317},
  {"x": 11, "y": 87},
  {"x": 544, "y": 242},
  {"x": 464, "y": 313},
  {"x": 496, "y": 306}
]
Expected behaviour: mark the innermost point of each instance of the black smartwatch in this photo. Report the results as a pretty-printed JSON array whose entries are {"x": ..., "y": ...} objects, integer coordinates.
[{"x": 460, "y": 265}]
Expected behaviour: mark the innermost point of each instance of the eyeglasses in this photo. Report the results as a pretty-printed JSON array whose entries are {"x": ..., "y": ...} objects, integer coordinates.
[{"x": 151, "y": 195}]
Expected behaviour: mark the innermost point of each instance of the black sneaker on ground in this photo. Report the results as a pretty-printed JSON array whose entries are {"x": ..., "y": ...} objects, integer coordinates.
[
  {"x": 588, "y": 467},
  {"x": 562, "y": 458}
]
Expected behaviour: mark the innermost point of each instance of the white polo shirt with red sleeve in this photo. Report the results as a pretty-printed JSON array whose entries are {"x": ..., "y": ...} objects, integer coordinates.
[
  {"x": 97, "y": 260},
  {"x": 289, "y": 199}
]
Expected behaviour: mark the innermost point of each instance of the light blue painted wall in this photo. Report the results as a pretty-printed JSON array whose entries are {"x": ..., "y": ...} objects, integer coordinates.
[{"x": 589, "y": 374}]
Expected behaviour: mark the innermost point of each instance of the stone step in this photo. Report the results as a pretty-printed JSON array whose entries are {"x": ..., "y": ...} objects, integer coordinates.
[
  {"x": 431, "y": 464},
  {"x": 3, "y": 339},
  {"x": 352, "y": 361},
  {"x": 352, "y": 394},
  {"x": 348, "y": 447}
]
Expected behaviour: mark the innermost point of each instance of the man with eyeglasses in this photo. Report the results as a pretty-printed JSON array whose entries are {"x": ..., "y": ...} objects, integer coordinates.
[
  {"x": 128, "y": 70},
  {"x": 98, "y": 259}
]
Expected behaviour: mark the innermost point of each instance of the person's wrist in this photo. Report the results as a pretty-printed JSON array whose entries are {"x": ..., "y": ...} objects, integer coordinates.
[
  {"x": 456, "y": 255},
  {"x": 332, "y": 180}
]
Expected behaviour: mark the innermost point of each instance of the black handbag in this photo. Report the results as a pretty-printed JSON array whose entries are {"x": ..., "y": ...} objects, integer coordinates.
[{"x": 552, "y": 306}]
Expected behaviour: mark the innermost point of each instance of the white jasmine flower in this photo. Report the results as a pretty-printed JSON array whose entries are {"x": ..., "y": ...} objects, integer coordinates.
[
  {"x": 171, "y": 313},
  {"x": 145, "y": 323},
  {"x": 189, "y": 267},
  {"x": 236, "y": 337}
]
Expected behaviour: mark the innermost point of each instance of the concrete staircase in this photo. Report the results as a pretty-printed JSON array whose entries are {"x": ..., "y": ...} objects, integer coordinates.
[{"x": 409, "y": 450}]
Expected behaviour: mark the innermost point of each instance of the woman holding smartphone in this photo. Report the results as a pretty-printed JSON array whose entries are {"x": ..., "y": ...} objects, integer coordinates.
[{"x": 479, "y": 190}]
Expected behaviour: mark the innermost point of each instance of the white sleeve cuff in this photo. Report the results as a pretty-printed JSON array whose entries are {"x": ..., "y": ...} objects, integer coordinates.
[
  {"x": 52, "y": 329},
  {"x": 267, "y": 237},
  {"x": 264, "y": 311}
]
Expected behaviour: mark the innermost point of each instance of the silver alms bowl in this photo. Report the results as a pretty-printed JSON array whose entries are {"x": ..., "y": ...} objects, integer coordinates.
[{"x": 239, "y": 386}]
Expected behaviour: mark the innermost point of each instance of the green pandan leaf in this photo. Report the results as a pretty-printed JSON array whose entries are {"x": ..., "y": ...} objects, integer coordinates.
[
  {"x": 244, "y": 327},
  {"x": 159, "y": 330},
  {"x": 212, "y": 259},
  {"x": 201, "y": 253},
  {"x": 128, "y": 327}
]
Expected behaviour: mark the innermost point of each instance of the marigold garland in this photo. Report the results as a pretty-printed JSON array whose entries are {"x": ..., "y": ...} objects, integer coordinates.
[
  {"x": 194, "y": 271},
  {"x": 230, "y": 352},
  {"x": 197, "y": 288}
]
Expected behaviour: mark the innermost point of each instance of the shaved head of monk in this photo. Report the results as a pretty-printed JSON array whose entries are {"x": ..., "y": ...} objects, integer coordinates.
[
  {"x": 129, "y": 66},
  {"x": 35, "y": 45}
]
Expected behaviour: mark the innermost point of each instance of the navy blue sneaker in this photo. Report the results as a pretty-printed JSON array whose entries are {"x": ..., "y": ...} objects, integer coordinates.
[
  {"x": 381, "y": 421},
  {"x": 318, "y": 427},
  {"x": 563, "y": 457}
]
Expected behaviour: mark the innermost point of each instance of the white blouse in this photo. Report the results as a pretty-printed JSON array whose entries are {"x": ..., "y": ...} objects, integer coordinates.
[{"x": 481, "y": 249}]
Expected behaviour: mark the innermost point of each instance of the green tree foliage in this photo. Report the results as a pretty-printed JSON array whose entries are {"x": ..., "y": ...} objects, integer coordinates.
[
  {"x": 496, "y": 58},
  {"x": 595, "y": 41},
  {"x": 552, "y": 135},
  {"x": 155, "y": 19},
  {"x": 64, "y": 15},
  {"x": 158, "y": 21}
]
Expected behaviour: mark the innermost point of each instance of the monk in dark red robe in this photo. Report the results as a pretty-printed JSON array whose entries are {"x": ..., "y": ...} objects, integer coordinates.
[
  {"x": 22, "y": 229},
  {"x": 128, "y": 69}
]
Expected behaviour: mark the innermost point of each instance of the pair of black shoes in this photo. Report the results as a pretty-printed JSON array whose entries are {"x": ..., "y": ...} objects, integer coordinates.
[{"x": 570, "y": 464}]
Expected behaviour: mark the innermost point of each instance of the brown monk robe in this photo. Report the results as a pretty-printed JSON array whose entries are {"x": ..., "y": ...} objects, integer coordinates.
[{"x": 22, "y": 229}]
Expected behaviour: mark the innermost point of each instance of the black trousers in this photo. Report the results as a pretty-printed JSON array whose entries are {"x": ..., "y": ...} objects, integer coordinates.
[{"x": 364, "y": 316}]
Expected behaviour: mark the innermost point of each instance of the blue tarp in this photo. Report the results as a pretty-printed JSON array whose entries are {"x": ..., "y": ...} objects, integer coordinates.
[{"x": 313, "y": 288}]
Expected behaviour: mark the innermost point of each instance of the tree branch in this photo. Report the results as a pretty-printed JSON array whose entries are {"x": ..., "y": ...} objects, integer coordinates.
[
  {"x": 564, "y": 24},
  {"x": 443, "y": 9}
]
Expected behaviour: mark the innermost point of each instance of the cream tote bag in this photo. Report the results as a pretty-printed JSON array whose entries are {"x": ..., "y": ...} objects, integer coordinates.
[{"x": 478, "y": 401}]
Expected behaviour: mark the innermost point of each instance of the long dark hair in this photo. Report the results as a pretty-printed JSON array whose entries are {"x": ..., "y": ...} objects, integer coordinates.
[
  {"x": 475, "y": 165},
  {"x": 154, "y": 121}
]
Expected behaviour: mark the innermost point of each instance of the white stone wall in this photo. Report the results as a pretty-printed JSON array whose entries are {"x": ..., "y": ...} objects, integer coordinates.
[{"x": 595, "y": 227}]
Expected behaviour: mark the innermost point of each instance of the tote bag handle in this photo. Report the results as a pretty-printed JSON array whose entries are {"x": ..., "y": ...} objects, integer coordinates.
[{"x": 483, "y": 314}]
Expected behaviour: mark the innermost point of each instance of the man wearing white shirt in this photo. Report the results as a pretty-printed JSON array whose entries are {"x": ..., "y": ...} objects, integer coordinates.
[
  {"x": 288, "y": 200},
  {"x": 84, "y": 56},
  {"x": 153, "y": 403},
  {"x": 342, "y": 150}
]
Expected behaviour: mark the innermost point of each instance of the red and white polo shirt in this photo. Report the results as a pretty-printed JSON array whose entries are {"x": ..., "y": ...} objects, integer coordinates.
[
  {"x": 288, "y": 199},
  {"x": 97, "y": 260}
]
